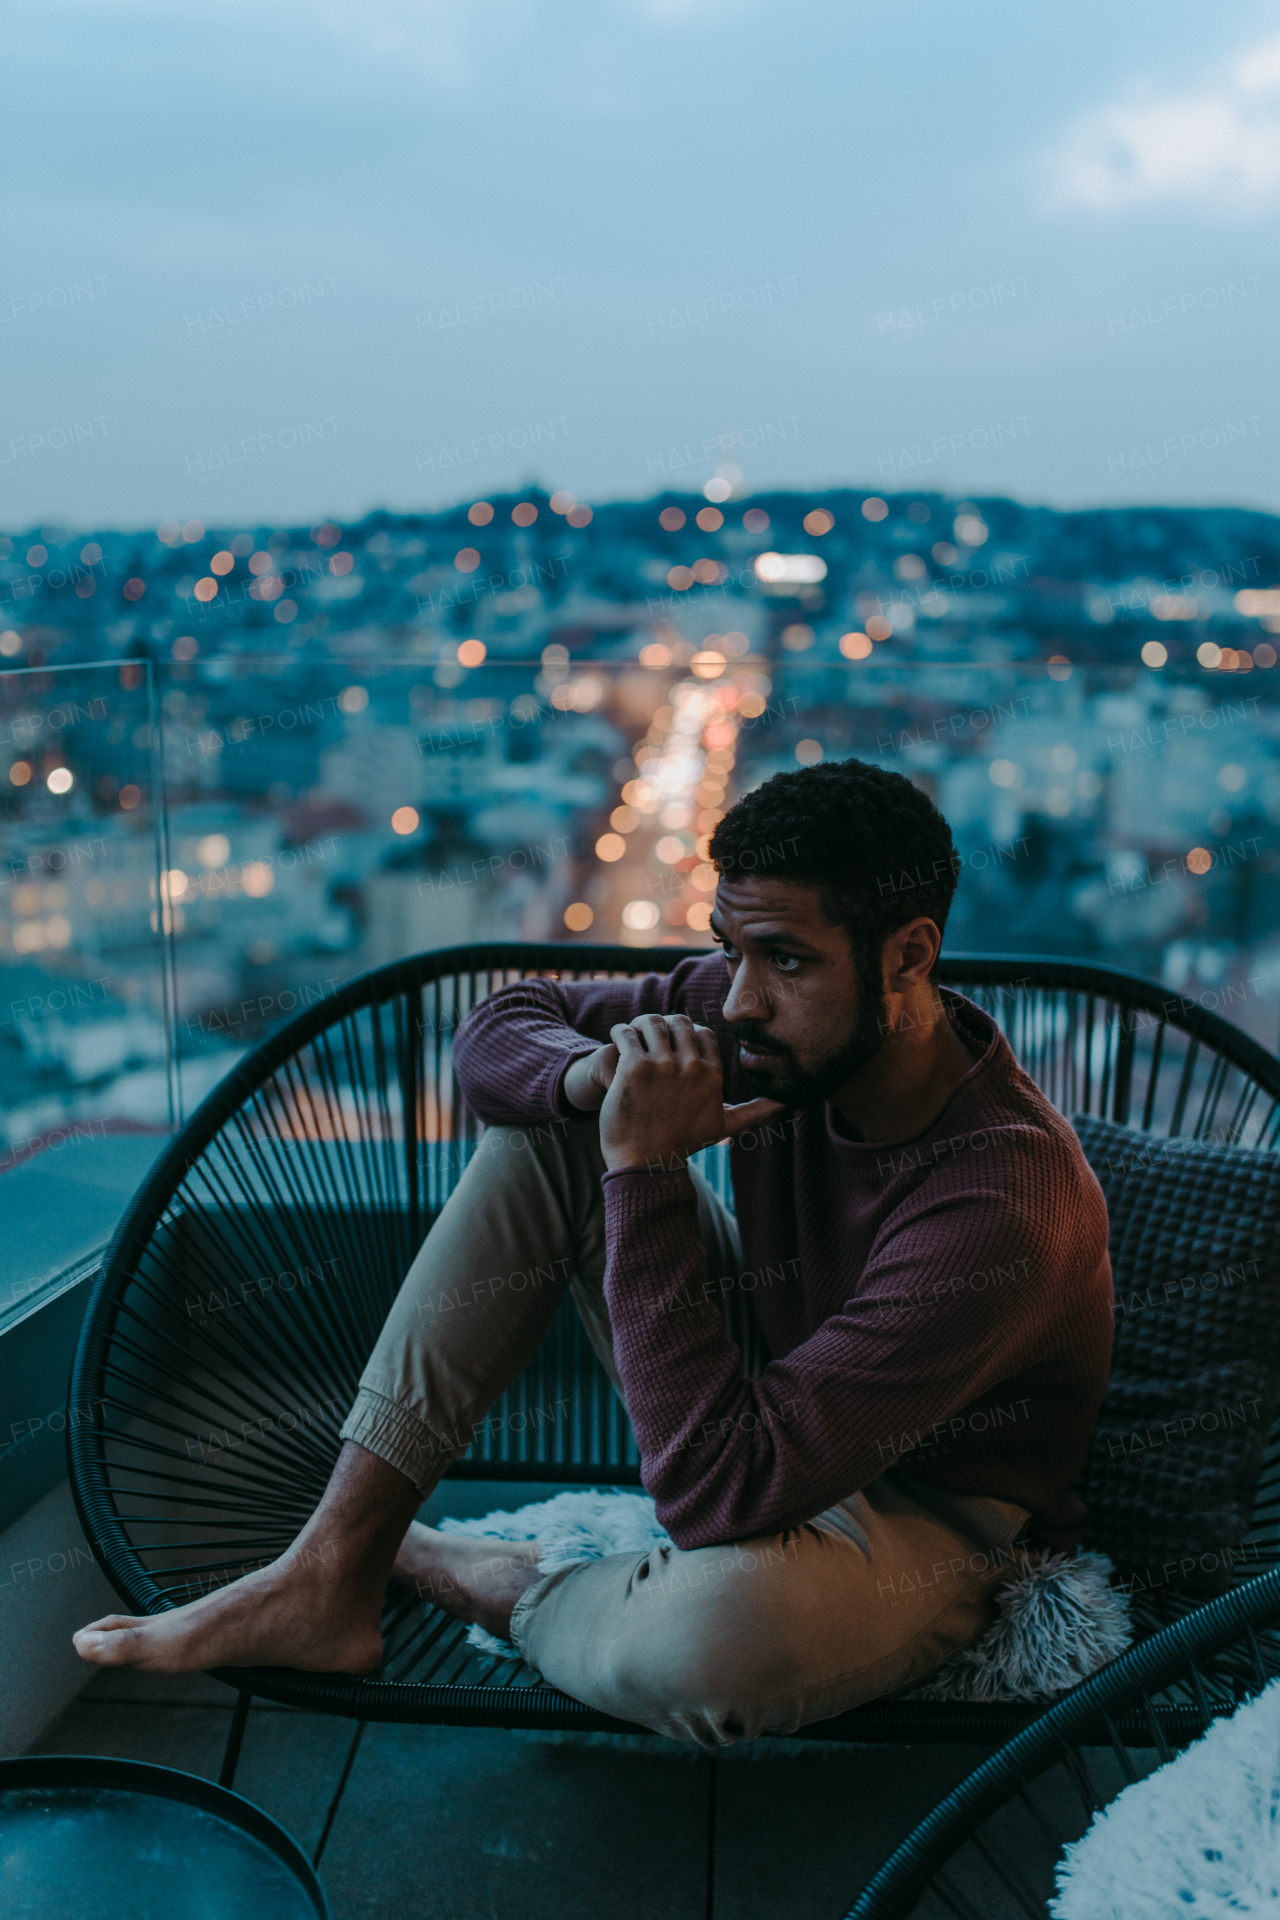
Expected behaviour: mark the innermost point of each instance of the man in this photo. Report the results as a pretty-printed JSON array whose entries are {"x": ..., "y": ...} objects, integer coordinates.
[{"x": 851, "y": 1402}]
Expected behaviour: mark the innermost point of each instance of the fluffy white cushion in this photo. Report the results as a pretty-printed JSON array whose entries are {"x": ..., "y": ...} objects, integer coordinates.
[{"x": 1200, "y": 1836}]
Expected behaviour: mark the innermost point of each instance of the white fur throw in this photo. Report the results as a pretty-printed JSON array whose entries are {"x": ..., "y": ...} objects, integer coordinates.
[
  {"x": 1059, "y": 1621},
  {"x": 1199, "y": 1836}
]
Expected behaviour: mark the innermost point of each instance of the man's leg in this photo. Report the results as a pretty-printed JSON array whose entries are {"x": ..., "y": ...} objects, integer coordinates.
[
  {"x": 768, "y": 1635},
  {"x": 526, "y": 1215},
  {"x": 473, "y": 1307}
]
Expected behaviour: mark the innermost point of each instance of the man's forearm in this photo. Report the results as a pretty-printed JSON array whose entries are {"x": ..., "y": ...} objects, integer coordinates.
[
  {"x": 673, "y": 1352},
  {"x": 511, "y": 1051},
  {"x": 510, "y": 1054}
]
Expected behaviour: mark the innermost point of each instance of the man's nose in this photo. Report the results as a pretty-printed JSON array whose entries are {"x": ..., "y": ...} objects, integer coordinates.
[{"x": 747, "y": 999}]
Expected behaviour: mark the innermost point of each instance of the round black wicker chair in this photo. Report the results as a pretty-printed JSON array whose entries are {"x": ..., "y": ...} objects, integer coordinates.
[{"x": 253, "y": 1269}]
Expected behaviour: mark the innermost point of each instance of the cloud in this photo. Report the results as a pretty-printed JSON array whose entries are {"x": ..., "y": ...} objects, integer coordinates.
[{"x": 1215, "y": 149}]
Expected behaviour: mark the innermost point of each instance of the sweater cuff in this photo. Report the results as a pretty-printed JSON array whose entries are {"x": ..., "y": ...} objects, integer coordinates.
[{"x": 640, "y": 1188}]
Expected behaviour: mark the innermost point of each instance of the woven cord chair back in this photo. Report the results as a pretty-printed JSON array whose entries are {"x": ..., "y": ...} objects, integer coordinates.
[{"x": 252, "y": 1272}]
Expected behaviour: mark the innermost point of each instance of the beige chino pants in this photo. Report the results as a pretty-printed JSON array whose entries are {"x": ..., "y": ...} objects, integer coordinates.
[{"x": 711, "y": 1645}]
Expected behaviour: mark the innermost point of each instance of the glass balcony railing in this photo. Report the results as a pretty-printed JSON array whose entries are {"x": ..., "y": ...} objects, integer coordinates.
[{"x": 87, "y": 1010}]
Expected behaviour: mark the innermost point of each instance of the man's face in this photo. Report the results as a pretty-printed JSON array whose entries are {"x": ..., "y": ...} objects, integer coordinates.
[{"x": 805, "y": 1015}]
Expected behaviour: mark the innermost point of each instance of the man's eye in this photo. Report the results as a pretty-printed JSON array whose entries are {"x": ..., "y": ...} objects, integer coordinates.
[{"x": 785, "y": 962}]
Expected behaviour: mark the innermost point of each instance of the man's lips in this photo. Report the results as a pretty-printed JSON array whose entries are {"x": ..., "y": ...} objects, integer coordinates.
[{"x": 750, "y": 1055}]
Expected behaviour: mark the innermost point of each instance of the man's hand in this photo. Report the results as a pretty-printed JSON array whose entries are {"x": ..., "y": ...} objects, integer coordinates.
[{"x": 665, "y": 1096}]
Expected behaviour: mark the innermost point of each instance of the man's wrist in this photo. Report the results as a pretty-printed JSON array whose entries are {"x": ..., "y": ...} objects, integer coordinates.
[{"x": 579, "y": 1088}]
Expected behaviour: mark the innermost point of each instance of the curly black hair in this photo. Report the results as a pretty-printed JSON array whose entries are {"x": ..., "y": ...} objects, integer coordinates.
[{"x": 877, "y": 847}]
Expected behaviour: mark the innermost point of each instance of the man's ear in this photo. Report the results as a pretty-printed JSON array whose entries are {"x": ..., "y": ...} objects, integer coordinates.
[{"x": 911, "y": 954}]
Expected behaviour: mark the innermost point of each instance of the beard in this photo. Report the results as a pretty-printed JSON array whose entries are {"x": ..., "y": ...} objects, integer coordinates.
[{"x": 804, "y": 1086}]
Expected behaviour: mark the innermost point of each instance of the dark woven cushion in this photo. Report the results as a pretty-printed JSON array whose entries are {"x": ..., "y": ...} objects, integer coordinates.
[{"x": 1175, "y": 1456}]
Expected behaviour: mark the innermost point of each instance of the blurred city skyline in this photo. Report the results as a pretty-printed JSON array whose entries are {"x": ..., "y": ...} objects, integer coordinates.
[
  {"x": 288, "y": 265},
  {"x": 235, "y": 772}
]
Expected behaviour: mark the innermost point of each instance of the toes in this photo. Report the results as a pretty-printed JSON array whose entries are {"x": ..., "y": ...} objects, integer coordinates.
[{"x": 110, "y": 1642}]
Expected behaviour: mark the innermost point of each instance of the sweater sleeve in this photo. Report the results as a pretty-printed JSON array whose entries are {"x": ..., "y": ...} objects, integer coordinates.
[
  {"x": 726, "y": 1457},
  {"x": 511, "y": 1053}
]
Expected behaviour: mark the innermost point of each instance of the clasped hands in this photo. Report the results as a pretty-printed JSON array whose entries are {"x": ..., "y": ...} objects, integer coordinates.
[{"x": 659, "y": 1090}]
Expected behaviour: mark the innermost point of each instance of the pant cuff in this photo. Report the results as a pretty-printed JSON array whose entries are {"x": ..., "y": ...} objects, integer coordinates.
[
  {"x": 397, "y": 1435},
  {"x": 528, "y": 1601}
]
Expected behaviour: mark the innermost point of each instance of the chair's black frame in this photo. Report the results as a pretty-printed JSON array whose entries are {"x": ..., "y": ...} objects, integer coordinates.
[
  {"x": 1226, "y": 1085},
  {"x": 1225, "y": 1651}
]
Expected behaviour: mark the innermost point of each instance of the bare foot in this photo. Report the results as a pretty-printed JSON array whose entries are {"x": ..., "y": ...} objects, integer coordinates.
[
  {"x": 478, "y": 1581},
  {"x": 286, "y": 1615},
  {"x": 317, "y": 1607}
]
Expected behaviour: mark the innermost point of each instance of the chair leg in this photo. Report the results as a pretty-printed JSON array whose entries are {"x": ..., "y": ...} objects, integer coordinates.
[
  {"x": 231, "y": 1756},
  {"x": 711, "y": 1840},
  {"x": 339, "y": 1790}
]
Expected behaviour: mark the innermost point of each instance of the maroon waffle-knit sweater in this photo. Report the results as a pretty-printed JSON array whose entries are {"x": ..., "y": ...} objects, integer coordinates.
[{"x": 943, "y": 1305}]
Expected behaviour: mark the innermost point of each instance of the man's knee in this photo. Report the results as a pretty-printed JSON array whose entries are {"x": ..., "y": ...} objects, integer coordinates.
[
  {"x": 511, "y": 1142},
  {"x": 536, "y": 1140},
  {"x": 710, "y": 1626}
]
